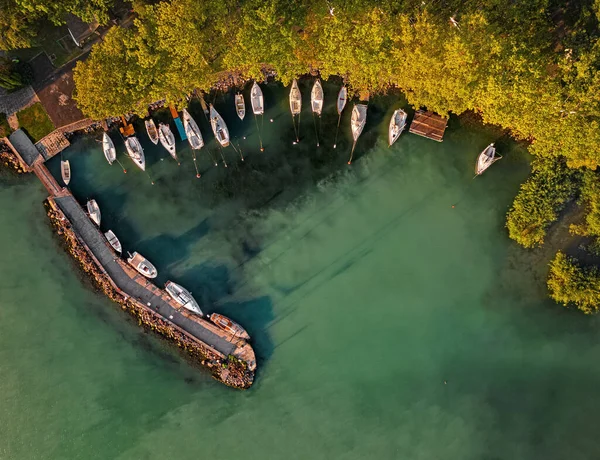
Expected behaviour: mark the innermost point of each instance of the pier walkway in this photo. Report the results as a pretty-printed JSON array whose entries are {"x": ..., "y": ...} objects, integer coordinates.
[{"x": 137, "y": 287}]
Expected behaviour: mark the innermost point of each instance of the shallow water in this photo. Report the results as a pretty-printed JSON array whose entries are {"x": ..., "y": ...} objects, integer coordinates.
[{"x": 387, "y": 323}]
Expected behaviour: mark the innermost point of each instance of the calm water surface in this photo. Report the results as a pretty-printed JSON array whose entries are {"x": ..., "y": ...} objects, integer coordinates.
[{"x": 387, "y": 323}]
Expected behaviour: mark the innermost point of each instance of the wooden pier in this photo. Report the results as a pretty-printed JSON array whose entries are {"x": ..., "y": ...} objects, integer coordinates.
[
  {"x": 52, "y": 144},
  {"x": 429, "y": 125}
]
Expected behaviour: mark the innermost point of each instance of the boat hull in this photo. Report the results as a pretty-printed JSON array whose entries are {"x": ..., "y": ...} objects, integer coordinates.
[
  {"x": 167, "y": 139},
  {"x": 65, "y": 171},
  {"x": 485, "y": 159},
  {"x": 192, "y": 131},
  {"x": 135, "y": 152},
  {"x": 94, "y": 211},
  {"x": 108, "y": 147},
  {"x": 316, "y": 98},
  {"x": 295, "y": 99},
  {"x": 240, "y": 106},
  {"x": 142, "y": 265},
  {"x": 152, "y": 131},
  {"x": 257, "y": 99},
  {"x": 359, "y": 119},
  {"x": 183, "y": 297},
  {"x": 219, "y": 127},
  {"x": 342, "y": 99},
  {"x": 113, "y": 241},
  {"x": 397, "y": 125},
  {"x": 230, "y": 326}
]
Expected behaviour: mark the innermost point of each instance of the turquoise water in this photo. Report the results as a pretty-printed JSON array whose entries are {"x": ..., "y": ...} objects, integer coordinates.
[{"x": 387, "y": 323}]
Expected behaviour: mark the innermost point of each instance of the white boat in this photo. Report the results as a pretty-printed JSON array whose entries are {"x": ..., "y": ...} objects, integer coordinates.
[
  {"x": 295, "y": 98},
  {"x": 240, "y": 105},
  {"x": 183, "y": 297},
  {"x": 94, "y": 211},
  {"x": 167, "y": 139},
  {"x": 65, "y": 171},
  {"x": 151, "y": 130},
  {"x": 142, "y": 265},
  {"x": 113, "y": 241},
  {"x": 192, "y": 131},
  {"x": 219, "y": 127},
  {"x": 342, "y": 99},
  {"x": 316, "y": 98},
  {"x": 486, "y": 159},
  {"x": 230, "y": 326},
  {"x": 359, "y": 118},
  {"x": 108, "y": 147},
  {"x": 397, "y": 125},
  {"x": 256, "y": 97},
  {"x": 136, "y": 152}
]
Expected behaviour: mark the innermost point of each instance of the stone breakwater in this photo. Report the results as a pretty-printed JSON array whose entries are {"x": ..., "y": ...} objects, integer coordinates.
[
  {"x": 229, "y": 370},
  {"x": 8, "y": 159}
]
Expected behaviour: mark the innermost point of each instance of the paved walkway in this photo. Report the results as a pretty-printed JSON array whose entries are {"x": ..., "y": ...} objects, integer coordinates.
[{"x": 96, "y": 242}]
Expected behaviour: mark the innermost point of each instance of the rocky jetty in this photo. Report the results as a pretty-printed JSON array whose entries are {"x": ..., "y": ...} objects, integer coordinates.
[{"x": 229, "y": 370}]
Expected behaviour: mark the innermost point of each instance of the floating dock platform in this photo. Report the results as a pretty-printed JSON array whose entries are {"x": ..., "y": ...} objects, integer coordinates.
[{"x": 429, "y": 125}]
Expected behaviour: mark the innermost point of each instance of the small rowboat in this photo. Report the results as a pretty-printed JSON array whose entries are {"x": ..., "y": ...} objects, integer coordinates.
[
  {"x": 240, "y": 105},
  {"x": 295, "y": 99},
  {"x": 65, "y": 171},
  {"x": 167, "y": 139},
  {"x": 113, "y": 241},
  {"x": 108, "y": 147},
  {"x": 94, "y": 211},
  {"x": 342, "y": 99},
  {"x": 219, "y": 127},
  {"x": 192, "y": 131},
  {"x": 397, "y": 125},
  {"x": 136, "y": 152},
  {"x": 183, "y": 297},
  {"x": 230, "y": 326},
  {"x": 142, "y": 265},
  {"x": 151, "y": 130},
  {"x": 316, "y": 98},
  {"x": 358, "y": 121},
  {"x": 486, "y": 159},
  {"x": 256, "y": 97}
]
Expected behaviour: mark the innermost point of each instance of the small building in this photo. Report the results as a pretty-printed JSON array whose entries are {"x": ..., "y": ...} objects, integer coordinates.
[
  {"x": 429, "y": 125},
  {"x": 80, "y": 30},
  {"x": 24, "y": 147}
]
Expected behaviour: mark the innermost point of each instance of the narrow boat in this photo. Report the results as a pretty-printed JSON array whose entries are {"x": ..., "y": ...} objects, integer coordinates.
[
  {"x": 342, "y": 99},
  {"x": 192, "y": 131},
  {"x": 359, "y": 118},
  {"x": 113, "y": 241},
  {"x": 397, "y": 125},
  {"x": 167, "y": 139},
  {"x": 94, "y": 211},
  {"x": 341, "y": 103},
  {"x": 316, "y": 97},
  {"x": 256, "y": 97},
  {"x": 108, "y": 147},
  {"x": 240, "y": 105},
  {"x": 230, "y": 326},
  {"x": 65, "y": 171},
  {"x": 151, "y": 130},
  {"x": 295, "y": 99},
  {"x": 183, "y": 297},
  {"x": 486, "y": 159},
  {"x": 219, "y": 127},
  {"x": 136, "y": 152},
  {"x": 142, "y": 265}
]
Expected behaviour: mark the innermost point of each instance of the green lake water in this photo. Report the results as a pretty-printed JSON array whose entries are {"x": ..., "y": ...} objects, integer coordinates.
[{"x": 387, "y": 324}]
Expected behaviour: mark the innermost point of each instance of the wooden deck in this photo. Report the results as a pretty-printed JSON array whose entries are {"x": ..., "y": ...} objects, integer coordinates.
[
  {"x": 429, "y": 125},
  {"x": 52, "y": 144}
]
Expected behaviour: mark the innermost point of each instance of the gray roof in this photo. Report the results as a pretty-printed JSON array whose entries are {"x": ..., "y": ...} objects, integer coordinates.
[{"x": 24, "y": 146}]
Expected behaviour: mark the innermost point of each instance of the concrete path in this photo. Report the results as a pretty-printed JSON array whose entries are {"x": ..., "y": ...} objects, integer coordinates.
[{"x": 96, "y": 242}]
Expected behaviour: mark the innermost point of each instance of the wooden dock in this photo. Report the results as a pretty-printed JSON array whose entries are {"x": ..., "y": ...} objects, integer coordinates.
[
  {"x": 429, "y": 125},
  {"x": 52, "y": 144}
]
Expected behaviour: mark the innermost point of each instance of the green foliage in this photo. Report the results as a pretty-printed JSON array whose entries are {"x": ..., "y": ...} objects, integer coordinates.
[
  {"x": 590, "y": 198},
  {"x": 35, "y": 121},
  {"x": 4, "y": 126},
  {"x": 541, "y": 197},
  {"x": 15, "y": 75},
  {"x": 571, "y": 284}
]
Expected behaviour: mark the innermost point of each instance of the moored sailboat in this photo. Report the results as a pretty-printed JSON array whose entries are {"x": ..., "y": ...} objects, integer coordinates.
[
  {"x": 142, "y": 265},
  {"x": 183, "y": 297},
  {"x": 230, "y": 326},
  {"x": 94, "y": 211},
  {"x": 358, "y": 121},
  {"x": 240, "y": 105},
  {"x": 219, "y": 127},
  {"x": 296, "y": 107},
  {"x": 316, "y": 98},
  {"x": 192, "y": 131},
  {"x": 257, "y": 100},
  {"x": 486, "y": 159},
  {"x": 341, "y": 103},
  {"x": 136, "y": 152},
  {"x": 151, "y": 130},
  {"x": 113, "y": 241},
  {"x": 108, "y": 147},
  {"x": 65, "y": 171},
  {"x": 397, "y": 125},
  {"x": 167, "y": 139}
]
